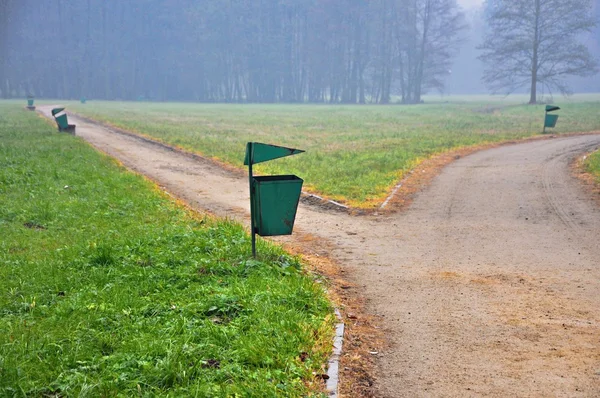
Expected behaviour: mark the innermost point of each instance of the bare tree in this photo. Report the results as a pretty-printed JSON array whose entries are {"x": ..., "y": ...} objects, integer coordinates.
[
  {"x": 428, "y": 34},
  {"x": 535, "y": 43}
]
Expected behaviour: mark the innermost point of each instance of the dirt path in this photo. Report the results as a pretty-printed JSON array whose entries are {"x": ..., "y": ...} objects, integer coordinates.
[{"x": 488, "y": 285}]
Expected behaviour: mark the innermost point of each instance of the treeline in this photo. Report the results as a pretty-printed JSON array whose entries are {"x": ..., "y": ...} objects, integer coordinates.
[{"x": 335, "y": 51}]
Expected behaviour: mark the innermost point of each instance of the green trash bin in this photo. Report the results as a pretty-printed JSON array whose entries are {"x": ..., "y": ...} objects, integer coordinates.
[
  {"x": 60, "y": 116},
  {"x": 62, "y": 121},
  {"x": 30, "y": 106},
  {"x": 550, "y": 120},
  {"x": 273, "y": 199},
  {"x": 275, "y": 202}
]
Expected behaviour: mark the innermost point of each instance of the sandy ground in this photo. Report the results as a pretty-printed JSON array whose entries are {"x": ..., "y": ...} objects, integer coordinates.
[{"x": 487, "y": 285}]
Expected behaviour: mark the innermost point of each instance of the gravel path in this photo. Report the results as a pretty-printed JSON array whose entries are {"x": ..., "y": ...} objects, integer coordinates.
[{"x": 488, "y": 285}]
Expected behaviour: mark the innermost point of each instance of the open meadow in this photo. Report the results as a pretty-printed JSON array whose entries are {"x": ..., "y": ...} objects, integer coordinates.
[
  {"x": 355, "y": 154},
  {"x": 109, "y": 288}
]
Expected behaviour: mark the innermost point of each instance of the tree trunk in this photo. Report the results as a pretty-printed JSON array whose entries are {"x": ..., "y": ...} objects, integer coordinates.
[
  {"x": 62, "y": 48},
  {"x": 105, "y": 62},
  {"x": 534, "y": 61},
  {"x": 4, "y": 47}
]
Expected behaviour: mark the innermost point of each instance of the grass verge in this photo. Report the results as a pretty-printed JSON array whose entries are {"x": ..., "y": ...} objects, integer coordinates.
[
  {"x": 107, "y": 288},
  {"x": 355, "y": 154},
  {"x": 592, "y": 165}
]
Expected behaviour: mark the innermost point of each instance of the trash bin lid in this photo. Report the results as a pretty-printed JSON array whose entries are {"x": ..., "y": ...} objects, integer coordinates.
[{"x": 57, "y": 110}]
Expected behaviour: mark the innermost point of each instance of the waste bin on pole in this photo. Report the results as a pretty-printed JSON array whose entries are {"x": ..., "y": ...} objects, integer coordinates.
[
  {"x": 550, "y": 120},
  {"x": 273, "y": 199}
]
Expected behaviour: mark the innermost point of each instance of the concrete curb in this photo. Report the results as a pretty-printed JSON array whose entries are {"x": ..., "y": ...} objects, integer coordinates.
[
  {"x": 334, "y": 360},
  {"x": 318, "y": 201},
  {"x": 387, "y": 200}
]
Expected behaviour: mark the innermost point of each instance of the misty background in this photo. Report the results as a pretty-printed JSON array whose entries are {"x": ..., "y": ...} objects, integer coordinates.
[{"x": 332, "y": 51}]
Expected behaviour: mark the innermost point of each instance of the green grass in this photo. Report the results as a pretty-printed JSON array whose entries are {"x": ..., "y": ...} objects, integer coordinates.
[
  {"x": 107, "y": 288},
  {"x": 592, "y": 164},
  {"x": 354, "y": 154}
]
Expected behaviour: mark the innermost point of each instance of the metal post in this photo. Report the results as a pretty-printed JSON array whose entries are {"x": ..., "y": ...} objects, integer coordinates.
[
  {"x": 250, "y": 161},
  {"x": 545, "y": 116}
]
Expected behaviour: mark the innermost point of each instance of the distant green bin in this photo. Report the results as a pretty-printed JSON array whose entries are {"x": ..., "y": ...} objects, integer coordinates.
[
  {"x": 275, "y": 202},
  {"x": 60, "y": 116},
  {"x": 62, "y": 121},
  {"x": 30, "y": 100},
  {"x": 550, "y": 121}
]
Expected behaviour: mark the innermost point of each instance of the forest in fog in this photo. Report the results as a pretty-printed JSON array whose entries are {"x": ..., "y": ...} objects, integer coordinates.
[{"x": 332, "y": 51}]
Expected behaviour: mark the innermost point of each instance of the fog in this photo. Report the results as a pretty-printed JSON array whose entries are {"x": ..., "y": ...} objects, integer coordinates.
[
  {"x": 321, "y": 51},
  {"x": 467, "y": 70}
]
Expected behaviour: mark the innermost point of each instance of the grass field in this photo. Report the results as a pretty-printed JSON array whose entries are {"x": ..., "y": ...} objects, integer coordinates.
[
  {"x": 108, "y": 288},
  {"x": 355, "y": 154},
  {"x": 592, "y": 163}
]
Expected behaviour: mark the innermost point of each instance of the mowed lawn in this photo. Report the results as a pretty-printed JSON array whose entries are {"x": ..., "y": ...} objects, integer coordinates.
[
  {"x": 355, "y": 154},
  {"x": 108, "y": 288}
]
